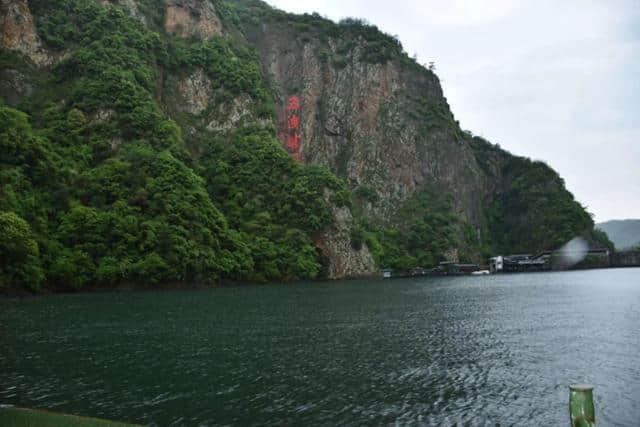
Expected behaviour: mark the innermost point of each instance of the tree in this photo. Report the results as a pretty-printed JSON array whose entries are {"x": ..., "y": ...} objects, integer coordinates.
[{"x": 19, "y": 254}]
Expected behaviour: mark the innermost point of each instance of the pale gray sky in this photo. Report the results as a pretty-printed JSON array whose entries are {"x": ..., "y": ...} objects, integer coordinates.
[{"x": 557, "y": 81}]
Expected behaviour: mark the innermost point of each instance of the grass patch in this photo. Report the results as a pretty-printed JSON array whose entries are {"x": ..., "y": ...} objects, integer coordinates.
[{"x": 21, "y": 417}]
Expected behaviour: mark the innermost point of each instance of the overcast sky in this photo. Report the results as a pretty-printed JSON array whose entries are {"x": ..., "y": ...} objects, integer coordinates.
[{"x": 553, "y": 80}]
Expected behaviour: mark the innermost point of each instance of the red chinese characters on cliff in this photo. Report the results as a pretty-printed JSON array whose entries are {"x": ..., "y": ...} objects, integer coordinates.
[{"x": 291, "y": 135}]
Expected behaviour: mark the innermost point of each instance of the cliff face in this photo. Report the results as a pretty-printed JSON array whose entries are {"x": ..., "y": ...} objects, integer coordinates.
[
  {"x": 379, "y": 120},
  {"x": 192, "y": 18},
  {"x": 381, "y": 123},
  {"x": 203, "y": 78},
  {"x": 366, "y": 121},
  {"x": 18, "y": 32}
]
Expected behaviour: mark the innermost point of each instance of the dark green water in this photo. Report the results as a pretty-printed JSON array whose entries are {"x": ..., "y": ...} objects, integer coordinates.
[{"x": 450, "y": 351}]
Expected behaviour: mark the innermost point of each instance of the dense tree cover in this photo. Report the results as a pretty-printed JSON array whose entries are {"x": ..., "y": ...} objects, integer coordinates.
[
  {"x": 25, "y": 164},
  {"x": 599, "y": 239},
  {"x": 275, "y": 204},
  {"x": 232, "y": 68},
  {"x": 98, "y": 187},
  {"x": 420, "y": 234},
  {"x": 19, "y": 253},
  {"x": 536, "y": 212},
  {"x": 532, "y": 210},
  {"x": 377, "y": 46}
]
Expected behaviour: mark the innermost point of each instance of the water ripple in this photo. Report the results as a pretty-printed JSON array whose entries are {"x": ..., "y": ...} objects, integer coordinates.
[{"x": 496, "y": 350}]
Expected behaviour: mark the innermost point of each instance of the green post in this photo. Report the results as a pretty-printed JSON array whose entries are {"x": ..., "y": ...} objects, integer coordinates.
[{"x": 581, "y": 409}]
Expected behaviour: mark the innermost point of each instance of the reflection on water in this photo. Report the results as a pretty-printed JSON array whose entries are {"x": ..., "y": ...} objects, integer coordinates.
[{"x": 469, "y": 350}]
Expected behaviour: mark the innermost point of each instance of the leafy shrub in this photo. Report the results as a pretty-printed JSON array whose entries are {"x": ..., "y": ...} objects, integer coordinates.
[{"x": 19, "y": 254}]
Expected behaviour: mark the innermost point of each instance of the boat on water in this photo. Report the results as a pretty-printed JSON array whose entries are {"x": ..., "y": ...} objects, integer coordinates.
[{"x": 480, "y": 273}]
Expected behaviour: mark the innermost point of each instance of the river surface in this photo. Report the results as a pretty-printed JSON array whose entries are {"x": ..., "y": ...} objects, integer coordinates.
[{"x": 431, "y": 351}]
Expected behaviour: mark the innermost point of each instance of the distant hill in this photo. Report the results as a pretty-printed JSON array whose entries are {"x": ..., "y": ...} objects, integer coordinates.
[{"x": 623, "y": 233}]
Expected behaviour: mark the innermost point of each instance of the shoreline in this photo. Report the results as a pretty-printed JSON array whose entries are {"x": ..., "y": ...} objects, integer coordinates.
[
  {"x": 167, "y": 286},
  {"x": 12, "y": 292}
]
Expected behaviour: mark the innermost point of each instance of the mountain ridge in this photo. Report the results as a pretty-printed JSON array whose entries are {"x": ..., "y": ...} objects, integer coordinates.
[{"x": 624, "y": 233}]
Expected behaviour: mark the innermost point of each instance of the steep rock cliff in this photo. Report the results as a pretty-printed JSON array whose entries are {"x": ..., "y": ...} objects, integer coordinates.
[
  {"x": 189, "y": 18},
  {"x": 366, "y": 120},
  {"x": 379, "y": 120}
]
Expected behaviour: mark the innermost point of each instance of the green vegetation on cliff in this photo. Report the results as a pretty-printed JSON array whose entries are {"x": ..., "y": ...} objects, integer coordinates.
[
  {"x": 423, "y": 232},
  {"x": 378, "y": 46},
  {"x": 533, "y": 211},
  {"x": 99, "y": 187}
]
